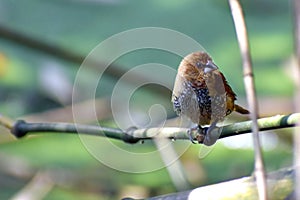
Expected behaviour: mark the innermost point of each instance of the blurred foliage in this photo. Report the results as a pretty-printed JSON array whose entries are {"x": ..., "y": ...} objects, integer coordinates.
[{"x": 79, "y": 26}]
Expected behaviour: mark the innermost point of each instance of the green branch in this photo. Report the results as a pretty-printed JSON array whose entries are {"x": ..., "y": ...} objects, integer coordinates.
[{"x": 21, "y": 128}]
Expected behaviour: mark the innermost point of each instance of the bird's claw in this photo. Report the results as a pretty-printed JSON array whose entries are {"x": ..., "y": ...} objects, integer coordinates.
[
  {"x": 201, "y": 132},
  {"x": 190, "y": 134},
  {"x": 206, "y": 135}
]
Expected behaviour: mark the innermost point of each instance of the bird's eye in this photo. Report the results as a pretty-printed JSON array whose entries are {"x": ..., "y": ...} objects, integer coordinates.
[{"x": 199, "y": 64}]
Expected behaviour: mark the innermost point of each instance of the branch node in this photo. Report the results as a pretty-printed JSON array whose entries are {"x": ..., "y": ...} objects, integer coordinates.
[
  {"x": 128, "y": 135},
  {"x": 249, "y": 74},
  {"x": 18, "y": 129}
]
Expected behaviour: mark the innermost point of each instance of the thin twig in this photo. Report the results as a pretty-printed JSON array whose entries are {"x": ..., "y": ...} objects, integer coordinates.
[
  {"x": 65, "y": 114},
  {"x": 22, "y": 128},
  {"x": 6, "y": 122},
  {"x": 297, "y": 99},
  {"x": 38, "y": 188},
  {"x": 241, "y": 31}
]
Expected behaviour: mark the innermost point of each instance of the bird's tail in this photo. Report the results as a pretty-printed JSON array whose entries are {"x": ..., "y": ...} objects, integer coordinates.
[{"x": 240, "y": 109}]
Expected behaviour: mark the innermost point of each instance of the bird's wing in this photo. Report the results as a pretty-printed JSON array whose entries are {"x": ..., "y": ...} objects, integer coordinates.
[
  {"x": 184, "y": 99},
  {"x": 177, "y": 92}
]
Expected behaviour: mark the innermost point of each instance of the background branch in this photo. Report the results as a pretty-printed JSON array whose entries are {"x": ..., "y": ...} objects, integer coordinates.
[
  {"x": 113, "y": 71},
  {"x": 280, "y": 186}
]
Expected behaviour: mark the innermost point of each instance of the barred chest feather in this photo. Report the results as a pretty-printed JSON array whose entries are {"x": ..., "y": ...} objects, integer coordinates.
[{"x": 197, "y": 104}]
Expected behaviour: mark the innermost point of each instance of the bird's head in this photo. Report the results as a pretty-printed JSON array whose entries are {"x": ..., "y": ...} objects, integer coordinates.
[
  {"x": 197, "y": 64},
  {"x": 202, "y": 61}
]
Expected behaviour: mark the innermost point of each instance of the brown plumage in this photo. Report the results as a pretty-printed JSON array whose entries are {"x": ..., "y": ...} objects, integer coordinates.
[{"x": 202, "y": 93}]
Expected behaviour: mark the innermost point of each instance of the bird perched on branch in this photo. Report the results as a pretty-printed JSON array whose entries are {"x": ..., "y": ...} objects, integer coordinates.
[{"x": 202, "y": 94}]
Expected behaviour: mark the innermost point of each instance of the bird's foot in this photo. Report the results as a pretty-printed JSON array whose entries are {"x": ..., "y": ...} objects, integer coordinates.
[
  {"x": 204, "y": 135},
  {"x": 200, "y": 134},
  {"x": 190, "y": 134},
  {"x": 212, "y": 134}
]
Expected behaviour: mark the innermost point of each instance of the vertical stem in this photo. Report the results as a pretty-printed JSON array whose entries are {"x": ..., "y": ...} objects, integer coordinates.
[
  {"x": 241, "y": 31},
  {"x": 297, "y": 98},
  {"x": 173, "y": 164}
]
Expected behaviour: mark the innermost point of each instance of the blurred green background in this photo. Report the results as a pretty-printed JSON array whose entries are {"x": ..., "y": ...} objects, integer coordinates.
[{"x": 37, "y": 86}]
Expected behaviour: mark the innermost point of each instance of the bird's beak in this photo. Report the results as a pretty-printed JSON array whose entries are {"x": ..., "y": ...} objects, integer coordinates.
[{"x": 210, "y": 66}]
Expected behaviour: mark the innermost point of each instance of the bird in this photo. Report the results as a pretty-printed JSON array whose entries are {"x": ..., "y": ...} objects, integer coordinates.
[{"x": 202, "y": 94}]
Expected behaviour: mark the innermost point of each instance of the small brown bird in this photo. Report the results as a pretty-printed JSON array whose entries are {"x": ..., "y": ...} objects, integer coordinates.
[{"x": 202, "y": 93}]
